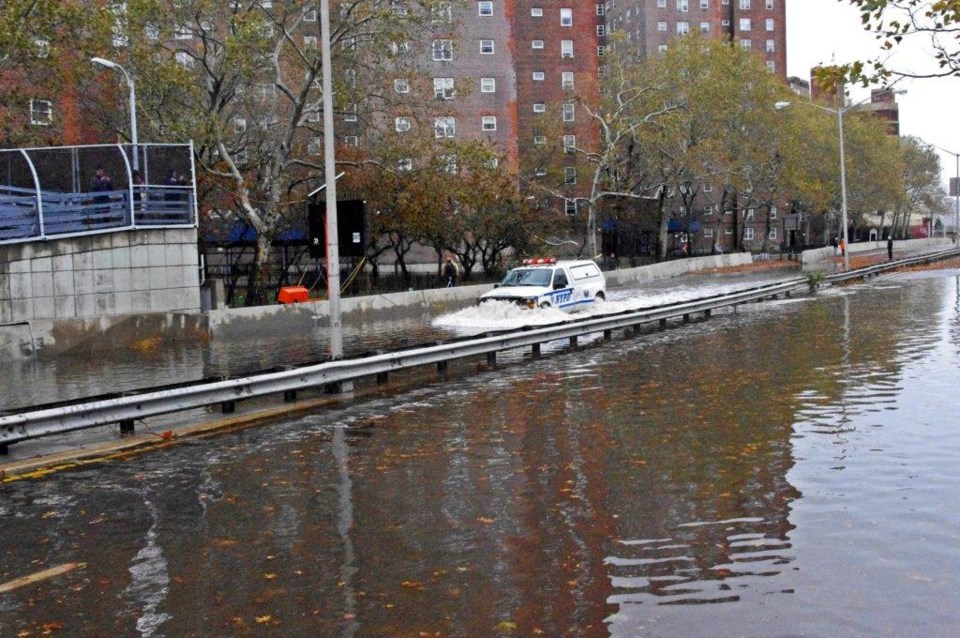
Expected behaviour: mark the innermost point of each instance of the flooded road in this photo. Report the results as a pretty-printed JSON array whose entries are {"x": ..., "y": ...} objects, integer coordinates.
[{"x": 788, "y": 469}]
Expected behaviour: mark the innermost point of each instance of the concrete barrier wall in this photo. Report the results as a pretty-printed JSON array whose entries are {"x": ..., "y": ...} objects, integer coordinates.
[
  {"x": 825, "y": 254},
  {"x": 94, "y": 280},
  {"x": 240, "y": 322}
]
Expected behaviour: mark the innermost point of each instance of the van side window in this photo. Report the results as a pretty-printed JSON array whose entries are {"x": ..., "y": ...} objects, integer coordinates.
[
  {"x": 584, "y": 272},
  {"x": 559, "y": 279}
]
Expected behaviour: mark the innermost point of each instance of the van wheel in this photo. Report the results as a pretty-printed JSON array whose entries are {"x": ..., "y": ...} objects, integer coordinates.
[
  {"x": 545, "y": 304},
  {"x": 599, "y": 297}
]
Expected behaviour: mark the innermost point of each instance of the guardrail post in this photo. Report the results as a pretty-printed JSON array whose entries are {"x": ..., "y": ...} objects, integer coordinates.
[
  {"x": 535, "y": 351},
  {"x": 382, "y": 378},
  {"x": 573, "y": 342},
  {"x": 686, "y": 318},
  {"x": 492, "y": 359},
  {"x": 663, "y": 323},
  {"x": 442, "y": 367},
  {"x": 4, "y": 449},
  {"x": 289, "y": 396},
  {"x": 126, "y": 427},
  {"x": 607, "y": 335},
  {"x": 228, "y": 407},
  {"x": 707, "y": 313}
]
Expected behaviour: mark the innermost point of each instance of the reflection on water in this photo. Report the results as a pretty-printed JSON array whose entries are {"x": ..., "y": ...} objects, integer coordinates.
[{"x": 782, "y": 470}]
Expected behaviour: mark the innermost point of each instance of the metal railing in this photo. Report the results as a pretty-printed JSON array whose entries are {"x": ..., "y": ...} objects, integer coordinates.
[
  {"x": 31, "y": 423},
  {"x": 62, "y": 418}
]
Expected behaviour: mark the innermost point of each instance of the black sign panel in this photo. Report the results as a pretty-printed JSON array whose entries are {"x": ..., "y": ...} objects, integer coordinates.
[{"x": 353, "y": 227}]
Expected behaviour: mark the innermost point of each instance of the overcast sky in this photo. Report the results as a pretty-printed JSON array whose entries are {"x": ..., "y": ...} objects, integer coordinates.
[{"x": 825, "y": 31}]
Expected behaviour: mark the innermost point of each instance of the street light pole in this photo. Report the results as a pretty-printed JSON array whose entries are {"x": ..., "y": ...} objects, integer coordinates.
[
  {"x": 843, "y": 194},
  {"x": 133, "y": 104},
  {"x": 329, "y": 169},
  {"x": 843, "y": 166}
]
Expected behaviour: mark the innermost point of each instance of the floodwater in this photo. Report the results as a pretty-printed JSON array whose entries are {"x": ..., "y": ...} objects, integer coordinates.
[
  {"x": 26, "y": 383},
  {"x": 789, "y": 469}
]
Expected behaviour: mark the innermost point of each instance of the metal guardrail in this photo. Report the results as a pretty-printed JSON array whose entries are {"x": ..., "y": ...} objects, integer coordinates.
[
  {"x": 876, "y": 269},
  {"x": 62, "y": 418}
]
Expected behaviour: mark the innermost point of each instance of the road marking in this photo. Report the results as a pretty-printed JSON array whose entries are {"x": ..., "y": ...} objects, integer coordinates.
[{"x": 39, "y": 576}]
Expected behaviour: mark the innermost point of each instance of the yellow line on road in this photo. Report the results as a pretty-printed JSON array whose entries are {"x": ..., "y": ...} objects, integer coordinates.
[{"x": 39, "y": 576}]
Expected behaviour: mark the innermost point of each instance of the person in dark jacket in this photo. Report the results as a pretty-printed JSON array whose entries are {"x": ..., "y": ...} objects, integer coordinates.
[
  {"x": 449, "y": 273},
  {"x": 890, "y": 247}
]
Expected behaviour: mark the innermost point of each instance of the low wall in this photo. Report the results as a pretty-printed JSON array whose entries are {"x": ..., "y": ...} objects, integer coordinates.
[
  {"x": 83, "y": 284},
  {"x": 247, "y": 322},
  {"x": 816, "y": 255}
]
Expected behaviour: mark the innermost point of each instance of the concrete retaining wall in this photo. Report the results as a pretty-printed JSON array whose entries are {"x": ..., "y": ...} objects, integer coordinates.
[
  {"x": 826, "y": 254},
  {"x": 241, "y": 322},
  {"x": 80, "y": 284}
]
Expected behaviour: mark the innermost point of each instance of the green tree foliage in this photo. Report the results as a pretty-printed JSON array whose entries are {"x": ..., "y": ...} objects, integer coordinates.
[
  {"x": 242, "y": 79},
  {"x": 44, "y": 44},
  {"x": 936, "y": 24}
]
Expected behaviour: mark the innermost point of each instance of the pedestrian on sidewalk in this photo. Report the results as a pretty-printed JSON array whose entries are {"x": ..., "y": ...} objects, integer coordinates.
[
  {"x": 890, "y": 247},
  {"x": 450, "y": 273},
  {"x": 843, "y": 247},
  {"x": 836, "y": 246}
]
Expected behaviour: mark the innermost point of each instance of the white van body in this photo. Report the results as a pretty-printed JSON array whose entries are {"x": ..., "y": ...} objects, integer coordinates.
[{"x": 542, "y": 283}]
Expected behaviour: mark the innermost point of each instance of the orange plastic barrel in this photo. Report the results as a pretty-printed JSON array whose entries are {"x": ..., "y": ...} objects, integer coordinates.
[{"x": 292, "y": 294}]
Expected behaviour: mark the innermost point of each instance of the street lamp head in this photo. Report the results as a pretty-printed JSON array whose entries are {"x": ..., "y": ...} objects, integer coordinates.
[
  {"x": 106, "y": 63},
  {"x": 781, "y": 105}
]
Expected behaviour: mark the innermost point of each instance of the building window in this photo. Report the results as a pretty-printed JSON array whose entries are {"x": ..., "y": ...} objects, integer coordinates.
[
  {"x": 539, "y": 76},
  {"x": 570, "y": 207},
  {"x": 683, "y": 28},
  {"x": 41, "y": 112},
  {"x": 537, "y": 44},
  {"x": 536, "y": 12},
  {"x": 566, "y": 48},
  {"x": 539, "y": 140},
  {"x": 539, "y": 107},
  {"x": 444, "y": 127},
  {"x": 771, "y": 46},
  {"x": 771, "y": 65},
  {"x": 485, "y": 8},
  {"x": 492, "y": 163},
  {"x": 705, "y": 27},
  {"x": 745, "y": 4},
  {"x": 601, "y": 51},
  {"x": 662, "y": 48},
  {"x": 662, "y": 25},
  {"x": 566, "y": 17},
  {"x": 402, "y": 124},
  {"x": 773, "y": 234},
  {"x": 309, "y": 15},
  {"x": 441, "y": 13},
  {"x": 443, "y": 88},
  {"x": 683, "y": 5},
  {"x": 744, "y": 24},
  {"x": 601, "y": 11},
  {"x": 570, "y": 175},
  {"x": 661, "y": 4},
  {"x": 184, "y": 59},
  {"x": 708, "y": 233},
  {"x": 727, "y": 231},
  {"x": 724, "y": 23},
  {"x": 352, "y": 140},
  {"x": 442, "y": 49},
  {"x": 183, "y": 33},
  {"x": 773, "y": 212},
  {"x": 566, "y": 80},
  {"x": 746, "y": 44},
  {"x": 769, "y": 24},
  {"x": 399, "y": 48},
  {"x": 488, "y": 85},
  {"x": 569, "y": 143},
  {"x": 769, "y": 4},
  {"x": 401, "y": 85},
  {"x": 405, "y": 164},
  {"x": 707, "y": 188},
  {"x": 486, "y": 47},
  {"x": 450, "y": 163},
  {"x": 489, "y": 123},
  {"x": 350, "y": 115},
  {"x": 399, "y": 7},
  {"x": 315, "y": 146},
  {"x": 748, "y": 234},
  {"x": 568, "y": 112},
  {"x": 704, "y": 4}
]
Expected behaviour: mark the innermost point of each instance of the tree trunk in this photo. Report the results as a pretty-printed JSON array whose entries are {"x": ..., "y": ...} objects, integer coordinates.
[{"x": 258, "y": 280}]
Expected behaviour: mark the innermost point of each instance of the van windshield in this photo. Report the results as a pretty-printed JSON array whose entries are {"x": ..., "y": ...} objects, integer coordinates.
[{"x": 528, "y": 277}]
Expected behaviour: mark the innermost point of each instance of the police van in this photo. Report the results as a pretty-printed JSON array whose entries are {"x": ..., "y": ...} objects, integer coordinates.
[{"x": 548, "y": 283}]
